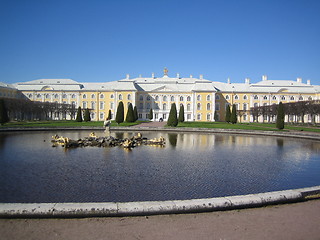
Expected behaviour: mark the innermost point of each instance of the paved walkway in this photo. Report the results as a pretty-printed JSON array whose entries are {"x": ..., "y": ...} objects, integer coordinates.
[{"x": 288, "y": 221}]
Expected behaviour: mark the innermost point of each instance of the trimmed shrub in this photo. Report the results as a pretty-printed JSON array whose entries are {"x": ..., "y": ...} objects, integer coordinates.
[
  {"x": 120, "y": 113},
  {"x": 79, "y": 115},
  {"x": 173, "y": 120},
  {"x": 150, "y": 114},
  {"x": 87, "y": 117},
  {"x": 3, "y": 113},
  {"x": 233, "y": 118},
  {"x": 135, "y": 113},
  {"x": 109, "y": 115},
  {"x": 228, "y": 114},
  {"x": 130, "y": 114},
  {"x": 181, "y": 114},
  {"x": 280, "y": 117}
]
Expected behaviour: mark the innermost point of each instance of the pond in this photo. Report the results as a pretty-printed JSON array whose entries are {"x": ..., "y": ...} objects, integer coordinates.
[{"x": 191, "y": 165}]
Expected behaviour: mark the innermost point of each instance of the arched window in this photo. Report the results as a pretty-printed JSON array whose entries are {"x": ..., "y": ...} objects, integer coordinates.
[
  {"x": 227, "y": 97},
  {"x": 56, "y": 96},
  {"x": 129, "y": 97},
  {"x": 84, "y": 104},
  {"x": 148, "y": 105},
  {"x": 274, "y": 98},
  {"x": 120, "y": 96},
  {"x": 245, "y": 97},
  {"x": 244, "y": 106},
  {"x": 164, "y": 98},
  {"x": 310, "y": 98},
  {"x": 64, "y": 95},
  {"x": 199, "y": 106},
  {"x": 157, "y": 98},
  {"x": 199, "y": 117},
  {"x": 292, "y": 98},
  {"x": 217, "y": 97},
  {"x": 101, "y": 96},
  {"x": 101, "y": 116},
  {"x": 148, "y": 98},
  {"x": 208, "y": 106},
  {"x": 255, "y": 104},
  {"x": 93, "y": 96},
  {"x": 172, "y": 98},
  {"x": 101, "y": 105},
  {"x": 181, "y": 98},
  {"x": 199, "y": 97},
  {"x": 111, "y": 105},
  {"x": 300, "y": 98},
  {"x": 47, "y": 96},
  {"x": 208, "y": 116},
  {"x": 208, "y": 98},
  {"x": 164, "y": 106},
  {"x": 84, "y": 96},
  {"x": 217, "y": 106},
  {"x": 112, "y": 96},
  {"x": 93, "y": 105},
  {"x": 188, "y": 107},
  {"x": 188, "y": 98},
  {"x": 283, "y": 98},
  {"x": 236, "y": 97},
  {"x": 255, "y": 97},
  {"x": 265, "y": 98},
  {"x": 141, "y": 97}
]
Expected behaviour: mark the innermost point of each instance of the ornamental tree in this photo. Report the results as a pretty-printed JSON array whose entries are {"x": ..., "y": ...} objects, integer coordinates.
[
  {"x": 233, "y": 118},
  {"x": 109, "y": 115},
  {"x": 228, "y": 114},
  {"x": 280, "y": 117},
  {"x": 130, "y": 114},
  {"x": 135, "y": 113},
  {"x": 79, "y": 115},
  {"x": 86, "y": 116},
  {"x": 120, "y": 113},
  {"x": 173, "y": 120},
  {"x": 150, "y": 114},
  {"x": 181, "y": 114},
  {"x": 3, "y": 113}
]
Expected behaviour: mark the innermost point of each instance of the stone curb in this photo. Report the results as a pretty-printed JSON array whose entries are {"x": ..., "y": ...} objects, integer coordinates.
[{"x": 112, "y": 209}]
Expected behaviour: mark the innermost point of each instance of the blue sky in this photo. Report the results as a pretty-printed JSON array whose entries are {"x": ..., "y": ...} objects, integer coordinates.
[{"x": 100, "y": 41}]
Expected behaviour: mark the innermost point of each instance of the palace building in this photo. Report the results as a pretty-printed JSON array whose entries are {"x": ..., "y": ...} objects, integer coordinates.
[{"x": 201, "y": 98}]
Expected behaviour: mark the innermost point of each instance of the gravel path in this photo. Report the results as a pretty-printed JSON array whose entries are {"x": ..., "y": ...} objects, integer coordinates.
[{"x": 288, "y": 221}]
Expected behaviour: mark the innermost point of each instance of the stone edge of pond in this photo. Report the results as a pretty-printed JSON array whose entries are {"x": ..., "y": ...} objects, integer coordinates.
[{"x": 120, "y": 209}]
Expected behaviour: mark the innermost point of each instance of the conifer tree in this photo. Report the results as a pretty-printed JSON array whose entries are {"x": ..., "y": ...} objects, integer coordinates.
[
  {"x": 135, "y": 113},
  {"x": 109, "y": 115},
  {"x": 79, "y": 115},
  {"x": 233, "y": 118},
  {"x": 150, "y": 114},
  {"x": 3, "y": 113},
  {"x": 87, "y": 117},
  {"x": 228, "y": 114},
  {"x": 130, "y": 114},
  {"x": 280, "y": 117},
  {"x": 215, "y": 116},
  {"x": 120, "y": 113},
  {"x": 181, "y": 114},
  {"x": 173, "y": 120}
]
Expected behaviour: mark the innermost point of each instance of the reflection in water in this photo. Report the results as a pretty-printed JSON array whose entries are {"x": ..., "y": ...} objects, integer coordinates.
[{"x": 189, "y": 166}]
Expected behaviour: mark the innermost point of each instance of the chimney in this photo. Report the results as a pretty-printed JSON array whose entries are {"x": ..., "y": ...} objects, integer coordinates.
[
  {"x": 228, "y": 81},
  {"x": 299, "y": 80},
  {"x": 127, "y": 76},
  {"x": 264, "y": 77},
  {"x": 308, "y": 82},
  {"x": 201, "y": 76},
  {"x": 247, "y": 80}
]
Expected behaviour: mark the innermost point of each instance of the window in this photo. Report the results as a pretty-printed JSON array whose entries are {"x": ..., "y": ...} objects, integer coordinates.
[
  {"x": 101, "y": 116},
  {"x": 199, "y": 117},
  {"x": 92, "y": 115},
  {"x": 120, "y": 96},
  {"x": 255, "y": 105},
  {"x": 55, "y": 96},
  {"x": 140, "y": 115},
  {"x": 93, "y": 105},
  {"x": 101, "y": 96},
  {"x": 208, "y": 116},
  {"x": 164, "y": 106},
  {"x": 208, "y": 98},
  {"x": 283, "y": 98},
  {"x": 265, "y": 98},
  {"x": 84, "y": 96},
  {"x": 181, "y": 98},
  {"x": 217, "y": 97},
  {"x": 245, "y": 117},
  {"x": 47, "y": 96},
  {"x": 157, "y": 98},
  {"x": 39, "y": 95},
  {"x": 141, "y": 97},
  {"x": 300, "y": 98},
  {"x": 141, "y": 105},
  {"x": 245, "y": 97},
  {"x": 148, "y": 105},
  {"x": 73, "y": 103},
  {"x": 188, "y": 98},
  {"x": 111, "y": 105},
  {"x": 199, "y": 98},
  {"x": 227, "y": 104},
  {"x": 164, "y": 98},
  {"x": 172, "y": 98},
  {"x": 129, "y": 97},
  {"x": 101, "y": 105},
  {"x": 208, "y": 106},
  {"x": 236, "y": 97},
  {"x": 292, "y": 98},
  {"x": 148, "y": 98},
  {"x": 93, "y": 96},
  {"x": 199, "y": 106},
  {"x": 188, "y": 116},
  {"x": 217, "y": 106},
  {"x": 255, "y": 97},
  {"x": 245, "y": 107},
  {"x": 164, "y": 116},
  {"x": 227, "y": 97},
  {"x": 188, "y": 107},
  {"x": 310, "y": 98},
  {"x": 112, "y": 96},
  {"x": 274, "y": 98},
  {"x": 84, "y": 105},
  {"x": 156, "y": 115}
]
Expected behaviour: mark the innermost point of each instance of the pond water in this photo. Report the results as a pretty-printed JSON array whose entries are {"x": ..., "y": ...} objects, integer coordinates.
[{"x": 189, "y": 166}]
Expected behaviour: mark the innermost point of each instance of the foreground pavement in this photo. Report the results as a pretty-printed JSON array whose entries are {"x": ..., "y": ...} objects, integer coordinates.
[{"x": 288, "y": 221}]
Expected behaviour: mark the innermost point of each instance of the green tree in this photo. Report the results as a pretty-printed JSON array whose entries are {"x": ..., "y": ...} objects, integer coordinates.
[
  {"x": 173, "y": 120},
  {"x": 79, "y": 115},
  {"x": 135, "y": 113},
  {"x": 181, "y": 114},
  {"x": 233, "y": 118},
  {"x": 228, "y": 114},
  {"x": 150, "y": 114},
  {"x": 87, "y": 117},
  {"x": 280, "y": 116},
  {"x": 216, "y": 117},
  {"x": 120, "y": 113},
  {"x": 130, "y": 114},
  {"x": 3, "y": 113},
  {"x": 109, "y": 115}
]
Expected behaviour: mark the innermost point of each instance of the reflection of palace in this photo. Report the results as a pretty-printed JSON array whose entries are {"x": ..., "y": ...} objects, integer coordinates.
[{"x": 200, "y": 97}]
